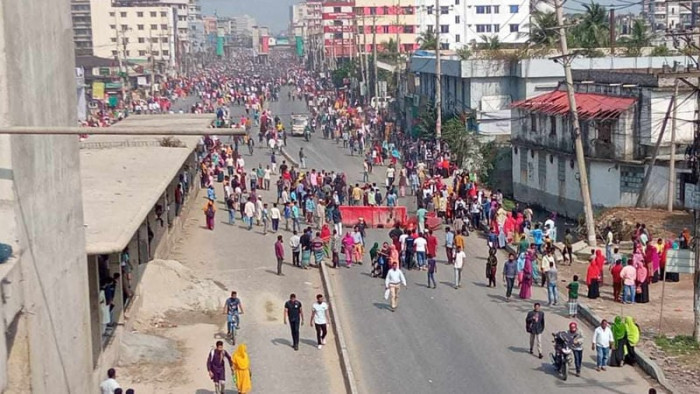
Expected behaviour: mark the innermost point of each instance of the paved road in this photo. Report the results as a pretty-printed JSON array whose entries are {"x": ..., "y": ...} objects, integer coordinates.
[
  {"x": 446, "y": 340},
  {"x": 244, "y": 261}
]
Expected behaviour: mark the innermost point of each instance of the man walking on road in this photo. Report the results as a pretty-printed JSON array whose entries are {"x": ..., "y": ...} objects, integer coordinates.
[
  {"x": 394, "y": 279},
  {"x": 295, "y": 244},
  {"x": 293, "y": 313},
  {"x": 319, "y": 319},
  {"x": 602, "y": 339},
  {"x": 279, "y": 253},
  {"x": 534, "y": 325},
  {"x": 460, "y": 256},
  {"x": 449, "y": 245},
  {"x": 216, "y": 366},
  {"x": 510, "y": 271},
  {"x": 302, "y": 157}
]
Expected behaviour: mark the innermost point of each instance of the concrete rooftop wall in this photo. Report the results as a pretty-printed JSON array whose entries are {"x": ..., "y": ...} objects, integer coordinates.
[{"x": 37, "y": 87}]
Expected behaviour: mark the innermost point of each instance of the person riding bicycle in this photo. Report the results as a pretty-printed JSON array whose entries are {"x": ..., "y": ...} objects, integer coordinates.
[{"x": 233, "y": 308}]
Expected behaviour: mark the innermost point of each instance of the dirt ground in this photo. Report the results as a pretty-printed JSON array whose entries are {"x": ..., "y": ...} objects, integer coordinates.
[
  {"x": 677, "y": 319},
  {"x": 660, "y": 223}
]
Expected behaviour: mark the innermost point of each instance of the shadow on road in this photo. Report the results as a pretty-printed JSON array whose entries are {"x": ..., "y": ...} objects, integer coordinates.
[
  {"x": 518, "y": 349},
  {"x": 381, "y": 305}
]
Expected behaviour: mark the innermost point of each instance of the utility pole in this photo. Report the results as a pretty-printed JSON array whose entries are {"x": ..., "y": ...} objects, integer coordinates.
[
  {"x": 366, "y": 55},
  {"x": 153, "y": 63},
  {"x": 612, "y": 31},
  {"x": 398, "y": 50},
  {"x": 672, "y": 162},
  {"x": 580, "y": 158},
  {"x": 374, "y": 55},
  {"x": 438, "y": 75},
  {"x": 696, "y": 224}
]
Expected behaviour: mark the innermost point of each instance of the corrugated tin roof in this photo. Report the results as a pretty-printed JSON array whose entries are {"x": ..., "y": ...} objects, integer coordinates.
[{"x": 589, "y": 105}]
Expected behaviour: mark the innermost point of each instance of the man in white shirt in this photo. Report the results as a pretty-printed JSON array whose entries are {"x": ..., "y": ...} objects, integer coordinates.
[
  {"x": 460, "y": 256},
  {"x": 602, "y": 340},
  {"x": 110, "y": 384},
  {"x": 394, "y": 279},
  {"x": 319, "y": 318},
  {"x": 420, "y": 244},
  {"x": 275, "y": 215},
  {"x": 295, "y": 244}
]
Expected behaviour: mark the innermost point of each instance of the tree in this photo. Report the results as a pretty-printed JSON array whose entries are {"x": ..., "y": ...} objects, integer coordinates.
[
  {"x": 389, "y": 51},
  {"x": 490, "y": 43},
  {"x": 660, "y": 50},
  {"x": 592, "y": 30},
  {"x": 639, "y": 38},
  {"x": 543, "y": 29},
  {"x": 464, "y": 53},
  {"x": 464, "y": 145},
  {"x": 427, "y": 40}
]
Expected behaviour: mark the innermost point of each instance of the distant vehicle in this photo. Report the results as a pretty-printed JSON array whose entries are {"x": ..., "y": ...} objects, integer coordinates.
[
  {"x": 299, "y": 123},
  {"x": 381, "y": 102}
]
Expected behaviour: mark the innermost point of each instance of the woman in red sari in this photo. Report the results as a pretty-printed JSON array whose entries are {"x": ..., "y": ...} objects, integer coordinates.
[
  {"x": 592, "y": 276},
  {"x": 600, "y": 261}
]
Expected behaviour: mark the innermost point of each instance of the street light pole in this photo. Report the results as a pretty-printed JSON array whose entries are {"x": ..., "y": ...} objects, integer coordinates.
[{"x": 438, "y": 74}]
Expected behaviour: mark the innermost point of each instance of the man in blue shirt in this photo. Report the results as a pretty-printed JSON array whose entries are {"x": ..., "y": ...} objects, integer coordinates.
[
  {"x": 449, "y": 245},
  {"x": 538, "y": 238}
]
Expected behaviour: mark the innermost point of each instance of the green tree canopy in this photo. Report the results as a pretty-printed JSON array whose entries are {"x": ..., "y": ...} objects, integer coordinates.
[
  {"x": 543, "y": 29},
  {"x": 427, "y": 40}
]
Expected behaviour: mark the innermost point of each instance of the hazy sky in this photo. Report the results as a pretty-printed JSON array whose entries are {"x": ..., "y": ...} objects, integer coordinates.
[{"x": 271, "y": 13}]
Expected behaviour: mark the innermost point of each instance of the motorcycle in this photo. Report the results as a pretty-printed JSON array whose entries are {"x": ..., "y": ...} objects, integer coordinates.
[{"x": 561, "y": 358}]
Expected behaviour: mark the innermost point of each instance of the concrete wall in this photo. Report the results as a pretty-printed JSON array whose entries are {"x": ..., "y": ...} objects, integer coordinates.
[{"x": 37, "y": 85}]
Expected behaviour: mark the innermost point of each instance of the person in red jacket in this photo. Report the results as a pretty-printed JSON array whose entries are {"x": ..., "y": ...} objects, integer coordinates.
[{"x": 432, "y": 244}]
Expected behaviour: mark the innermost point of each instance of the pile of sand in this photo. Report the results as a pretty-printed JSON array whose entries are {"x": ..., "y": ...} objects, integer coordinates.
[
  {"x": 168, "y": 286},
  {"x": 137, "y": 348}
]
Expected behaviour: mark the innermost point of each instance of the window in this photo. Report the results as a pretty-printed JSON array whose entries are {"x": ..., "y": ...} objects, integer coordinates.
[
  {"x": 483, "y": 28},
  {"x": 407, "y": 10},
  {"x": 142, "y": 53},
  {"x": 533, "y": 123},
  {"x": 128, "y": 53},
  {"x": 496, "y": 28},
  {"x": 153, "y": 14},
  {"x": 457, "y": 19},
  {"x": 122, "y": 14},
  {"x": 483, "y": 9},
  {"x": 336, "y": 9},
  {"x": 113, "y": 39},
  {"x": 162, "y": 13},
  {"x": 338, "y": 36},
  {"x": 444, "y": 10},
  {"x": 430, "y": 28},
  {"x": 112, "y": 14},
  {"x": 164, "y": 40},
  {"x": 444, "y": 28},
  {"x": 430, "y": 10},
  {"x": 458, "y": 38},
  {"x": 456, "y": 2},
  {"x": 125, "y": 27},
  {"x": 166, "y": 53},
  {"x": 385, "y": 29},
  {"x": 114, "y": 53},
  {"x": 139, "y": 27},
  {"x": 409, "y": 29},
  {"x": 154, "y": 39},
  {"x": 139, "y": 14},
  {"x": 514, "y": 28},
  {"x": 337, "y": 23},
  {"x": 125, "y": 40},
  {"x": 514, "y": 9},
  {"x": 113, "y": 27},
  {"x": 385, "y": 10},
  {"x": 141, "y": 40},
  {"x": 552, "y": 126},
  {"x": 605, "y": 131},
  {"x": 496, "y": 9},
  {"x": 162, "y": 27}
]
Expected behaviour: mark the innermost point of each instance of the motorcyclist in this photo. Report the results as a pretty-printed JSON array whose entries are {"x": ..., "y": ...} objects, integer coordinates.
[{"x": 574, "y": 338}]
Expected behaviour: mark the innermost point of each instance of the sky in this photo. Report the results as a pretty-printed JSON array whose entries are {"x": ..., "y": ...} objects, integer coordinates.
[{"x": 271, "y": 13}]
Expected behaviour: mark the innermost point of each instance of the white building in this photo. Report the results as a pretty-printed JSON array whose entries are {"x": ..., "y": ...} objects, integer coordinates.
[
  {"x": 621, "y": 118},
  {"x": 242, "y": 26},
  {"x": 139, "y": 34},
  {"x": 670, "y": 15},
  {"x": 195, "y": 24},
  {"x": 465, "y": 22}
]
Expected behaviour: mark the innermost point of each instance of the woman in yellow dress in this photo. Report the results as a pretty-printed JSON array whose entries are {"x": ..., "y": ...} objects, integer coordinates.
[{"x": 241, "y": 369}]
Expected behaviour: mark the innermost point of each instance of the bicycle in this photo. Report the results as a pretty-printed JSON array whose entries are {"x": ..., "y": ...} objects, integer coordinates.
[{"x": 233, "y": 324}]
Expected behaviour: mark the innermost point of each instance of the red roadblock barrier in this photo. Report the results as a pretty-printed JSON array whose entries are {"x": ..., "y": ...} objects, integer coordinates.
[{"x": 382, "y": 217}]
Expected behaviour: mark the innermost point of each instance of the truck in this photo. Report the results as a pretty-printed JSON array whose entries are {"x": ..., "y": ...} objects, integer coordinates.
[{"x": 299, "y": 123}]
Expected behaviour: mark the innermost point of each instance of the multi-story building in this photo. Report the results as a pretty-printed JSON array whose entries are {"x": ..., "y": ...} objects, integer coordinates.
[
  {"x": 298, "y": 14},
  {"x": 382, "y": 21},
  {"x": 143, "y": 34},
  {"x": 82, "y": 27},
  {"x": 620, "y": 124},
  {"x": 671, "y": 15},
  {"x": 195, "y": 23},
  {"x": 465, "y": 23},
  {"x": 338, "y": 29},
  {"x": 242, "y": 26}
]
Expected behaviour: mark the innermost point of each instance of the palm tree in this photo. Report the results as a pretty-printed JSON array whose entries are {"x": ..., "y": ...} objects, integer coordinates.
[
  {"x": 490, "y": 43},
  {"x": 389, "y": 51},
  {"x": 427, "y": 40},
  {"x": 639, "y": 38},
  {"x": 592, "y": 30},
  {"x": 543, "y": 29}
]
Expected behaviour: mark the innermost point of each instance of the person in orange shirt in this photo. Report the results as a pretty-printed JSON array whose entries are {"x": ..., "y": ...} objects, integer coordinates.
[{"x": 459, "y": 240}]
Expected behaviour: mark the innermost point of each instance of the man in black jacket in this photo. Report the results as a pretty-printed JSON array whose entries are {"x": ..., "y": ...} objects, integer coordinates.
[{"x": 534, "y": 324}]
